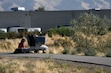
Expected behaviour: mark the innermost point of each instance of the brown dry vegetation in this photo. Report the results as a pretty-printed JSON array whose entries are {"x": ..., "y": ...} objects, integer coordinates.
[
  {"x": 9, "y": 45},
  {"x": 101, "y": 43},
  {"x": 58, "y": 44},
  {"x": 54, "y": 43},
  {"x": 33, "y": 65}
]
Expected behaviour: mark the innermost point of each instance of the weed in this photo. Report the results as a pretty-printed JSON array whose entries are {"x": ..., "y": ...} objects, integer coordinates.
[
  {"x": 66, "y": 51},
  {"x": 100, "y": 70},
  {"x": 90, "y": 52},
  {"x": 108, "y": 53}
]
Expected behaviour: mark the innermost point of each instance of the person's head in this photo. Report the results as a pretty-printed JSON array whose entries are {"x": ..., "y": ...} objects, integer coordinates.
[{"x": 23, "y": 40}]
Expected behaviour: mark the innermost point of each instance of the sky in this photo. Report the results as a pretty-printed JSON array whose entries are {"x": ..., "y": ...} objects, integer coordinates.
[{"x": 6, "y": 5}]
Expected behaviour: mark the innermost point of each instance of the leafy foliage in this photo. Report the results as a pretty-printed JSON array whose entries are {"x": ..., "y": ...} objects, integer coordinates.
[
  {"x": 66, "y": 50},
  {"x": 90, "y": 52},
  {"x": 89, "y": 23},
  {"x": 63, "y": 31},
  {"x": 108, "y": 53},
  {"x": 10, "y": 35},
  {"x": 41, "y": 9},
  {"x": 3, "y": 35},
  {"x": 89, "y": 29}
]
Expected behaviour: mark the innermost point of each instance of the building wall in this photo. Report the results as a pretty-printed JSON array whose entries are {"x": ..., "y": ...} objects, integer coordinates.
[
  {"x": 8, "y": 19},
  {"x": 49, "y": 19},
  {"x": 43, "y": 19}
]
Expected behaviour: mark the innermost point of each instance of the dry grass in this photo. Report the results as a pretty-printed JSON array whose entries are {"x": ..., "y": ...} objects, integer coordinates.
[
  {"x": 33, "y": 65},
  {"x": 101, "y": 43},
  {"x": 9, "y": 45},
  {"x": 58, "y": 44}
]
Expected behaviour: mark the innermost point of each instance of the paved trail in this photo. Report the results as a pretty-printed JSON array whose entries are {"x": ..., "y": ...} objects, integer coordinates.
[{"x": 85, "y": 59}]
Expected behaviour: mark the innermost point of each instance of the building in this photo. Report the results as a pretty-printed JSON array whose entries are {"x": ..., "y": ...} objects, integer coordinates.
[{"x": 44, "y": 19}]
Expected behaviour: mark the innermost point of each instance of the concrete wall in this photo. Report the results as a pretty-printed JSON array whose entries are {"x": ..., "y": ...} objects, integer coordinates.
[
  {"x": 8, "y": 19},
  {"x": 43, "y": 19},
  {"x": 49, "y": 19}
]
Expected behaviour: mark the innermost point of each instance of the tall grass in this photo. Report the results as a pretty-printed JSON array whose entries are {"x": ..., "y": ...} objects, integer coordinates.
[
  {"x": 60, "y": 45},
  {"x": 65, "y": 45},
  {"x": 33, "y": 65},
  {"x": 9, "y": 45}
]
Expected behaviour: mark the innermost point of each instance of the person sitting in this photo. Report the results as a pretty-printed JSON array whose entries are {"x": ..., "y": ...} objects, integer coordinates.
[
  {"x": 21, "y": 47},
  {"x": 21, "y": 44}
]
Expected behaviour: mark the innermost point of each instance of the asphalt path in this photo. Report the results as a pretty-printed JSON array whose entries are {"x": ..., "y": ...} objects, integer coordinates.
[{"x": 106, "y": 61}]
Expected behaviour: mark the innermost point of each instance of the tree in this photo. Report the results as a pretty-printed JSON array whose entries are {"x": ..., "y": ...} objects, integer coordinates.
[
  {"x": 41, "y": 9},
  {"x": 89, "y": 23}
]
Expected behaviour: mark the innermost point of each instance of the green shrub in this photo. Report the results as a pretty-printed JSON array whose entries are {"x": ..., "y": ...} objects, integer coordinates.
[
  {"x": 89, "y": 23},
  {"x": 11, "y": 35},
  {"x": 109, "y": 29},
  {"x": 90, "y": 52},
  {"x": 63, "y": 31},
  {"x": 2, "y": 69},
  {"x": 102, "y": 31},
  {"x": 108, "y": 53},
  {"x": 79, "y": 50},
  {"x": 66, "y": 51},
  {"x": 3, "y": 35},
  {"x": 51, "y": 32}
]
